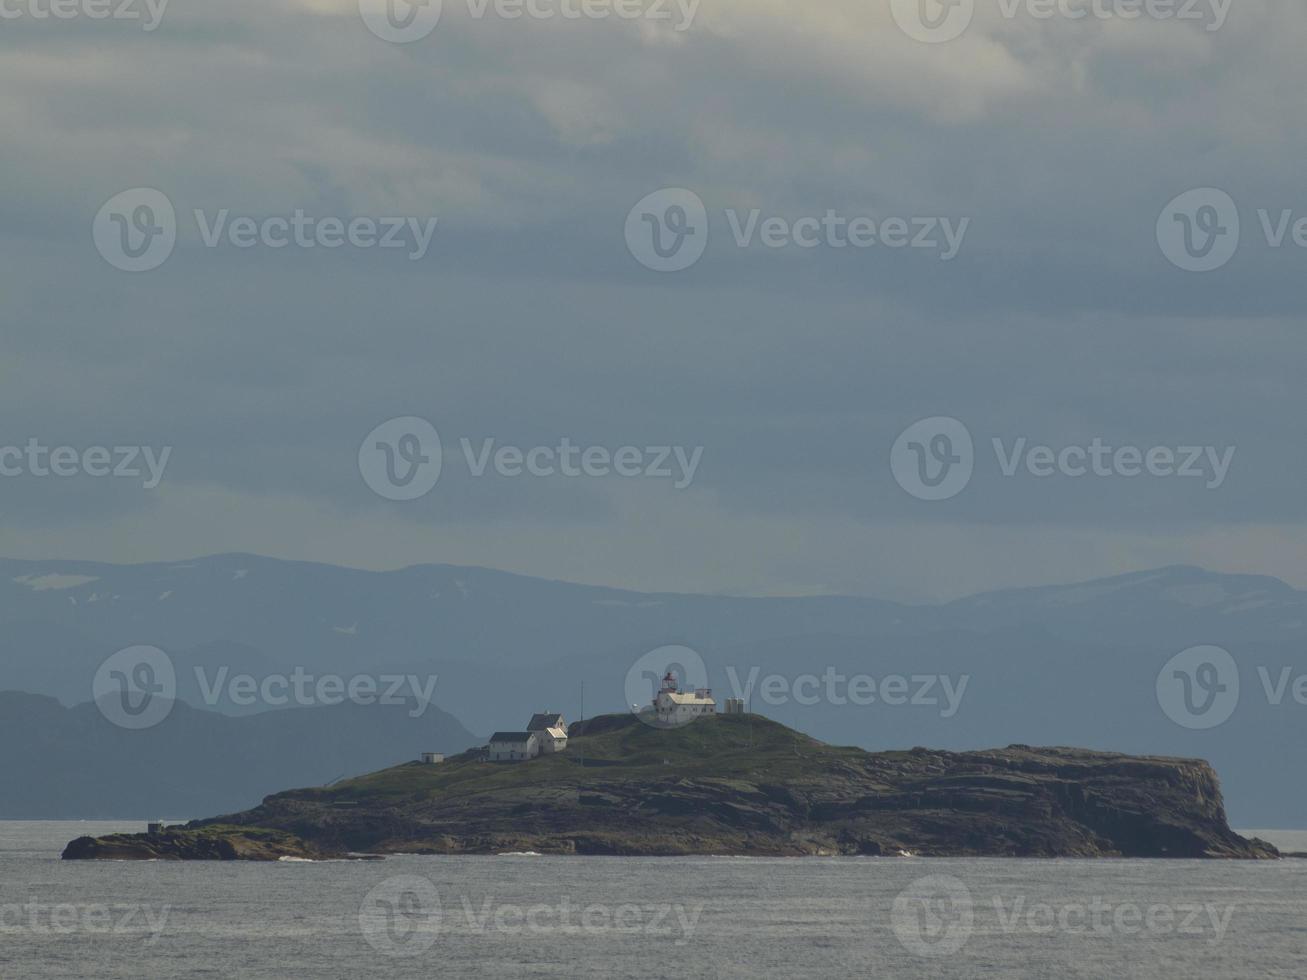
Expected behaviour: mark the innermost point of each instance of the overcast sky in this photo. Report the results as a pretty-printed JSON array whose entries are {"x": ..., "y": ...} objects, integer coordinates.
[{"x": 1056, "y": 144}]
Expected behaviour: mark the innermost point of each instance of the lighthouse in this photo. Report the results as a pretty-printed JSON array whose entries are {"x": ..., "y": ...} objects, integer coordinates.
[{"x": 673, "y": 707}]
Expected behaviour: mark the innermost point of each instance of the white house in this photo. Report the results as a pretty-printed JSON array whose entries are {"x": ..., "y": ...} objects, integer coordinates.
[
  {"x": 551, "y": 729},
  {"x": 514, "y": 746},
  {"x": 675, "y": 707}
]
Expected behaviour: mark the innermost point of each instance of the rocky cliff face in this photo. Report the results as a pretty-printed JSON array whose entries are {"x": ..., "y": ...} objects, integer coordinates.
[
  {"x": 746, "y": 785},
  {"x": 207, "y": 844}
]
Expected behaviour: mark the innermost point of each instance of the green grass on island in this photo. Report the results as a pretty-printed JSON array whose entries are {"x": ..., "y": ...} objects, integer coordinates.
[{"x": 747, "y": 747}]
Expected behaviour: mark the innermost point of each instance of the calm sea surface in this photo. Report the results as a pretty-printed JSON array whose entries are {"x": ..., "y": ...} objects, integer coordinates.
[{"x": 617, "y": 918}]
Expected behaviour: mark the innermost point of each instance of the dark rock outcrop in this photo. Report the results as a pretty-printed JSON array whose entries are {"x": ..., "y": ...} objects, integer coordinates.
[
  {"x": 184, "y": 844},
  {"x": 746, "y": 785}
]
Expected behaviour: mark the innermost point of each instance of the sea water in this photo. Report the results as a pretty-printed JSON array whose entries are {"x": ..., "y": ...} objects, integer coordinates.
[{"x": 614, "y": 918}]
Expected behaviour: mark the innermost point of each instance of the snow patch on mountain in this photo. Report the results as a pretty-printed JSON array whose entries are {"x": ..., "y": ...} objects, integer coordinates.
[
  {"x": 52, "y": 581},
  {"x": 1078, "y": 594},
  {"x": 1245, "y": 605},
  {"x": 1198, "y": 596}
]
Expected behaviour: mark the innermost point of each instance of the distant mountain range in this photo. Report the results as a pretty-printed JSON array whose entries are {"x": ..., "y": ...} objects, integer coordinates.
[
  {"x": 1055, "y": 665},
  {"x": 58, "y": 762}
]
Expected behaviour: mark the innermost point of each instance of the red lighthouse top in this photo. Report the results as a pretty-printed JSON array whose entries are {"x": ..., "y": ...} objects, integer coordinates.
[{"x": 669, "y": 682}]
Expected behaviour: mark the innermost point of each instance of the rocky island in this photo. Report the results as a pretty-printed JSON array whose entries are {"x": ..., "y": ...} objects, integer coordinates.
[{"x": 731, "y": 785}]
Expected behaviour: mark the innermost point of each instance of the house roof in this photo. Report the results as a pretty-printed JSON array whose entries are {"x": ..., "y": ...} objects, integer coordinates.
[
  {"x": 512, "y": 736},
  {"x": 677, "y": 698},
  {"x": 556, "y": 732},
  {"x": 540, "y": 722}
]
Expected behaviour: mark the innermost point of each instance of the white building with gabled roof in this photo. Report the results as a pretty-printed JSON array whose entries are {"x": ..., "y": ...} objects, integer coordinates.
[
  {"x": 551, "y": 729},
  {"x": 514, "y": 746},
  {"x": 672, "y": 706}
]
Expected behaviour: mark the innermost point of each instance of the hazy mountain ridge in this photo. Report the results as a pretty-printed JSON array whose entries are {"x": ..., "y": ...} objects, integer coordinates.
[
  {"x": 1072, "y": 664},
  {"x": 58, "y": 762}
]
